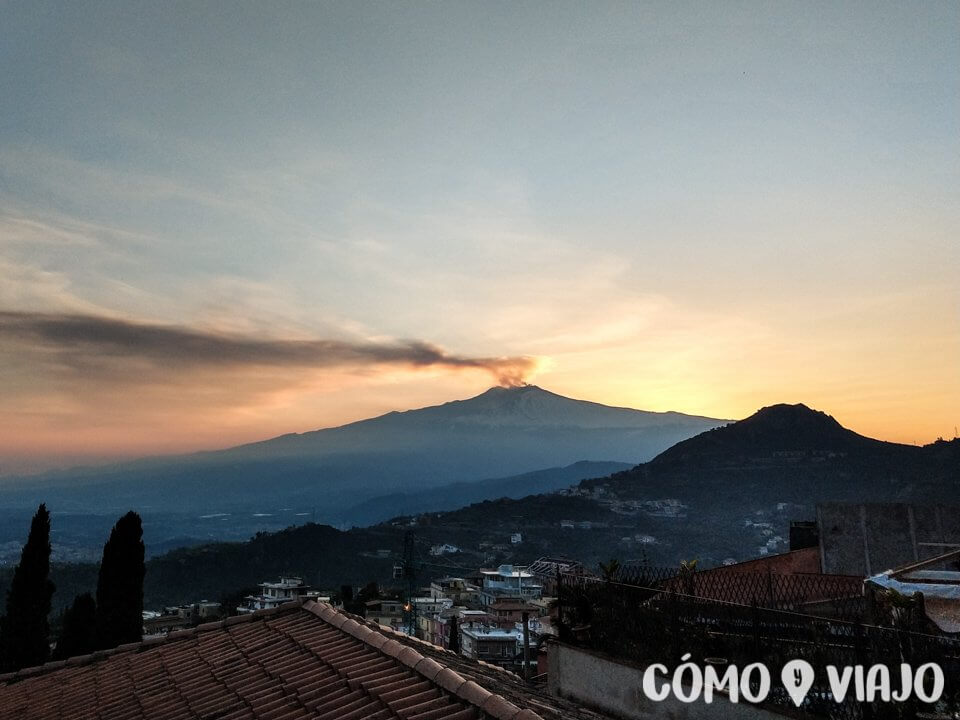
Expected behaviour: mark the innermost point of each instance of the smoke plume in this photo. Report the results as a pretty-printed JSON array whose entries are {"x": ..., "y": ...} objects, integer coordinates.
[{"x": 89, "y": 344}]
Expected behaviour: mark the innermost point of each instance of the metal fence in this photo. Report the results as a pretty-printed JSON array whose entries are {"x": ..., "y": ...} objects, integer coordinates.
[
  {"x": 833, "y": 596},
  {"x": 658, "y": 623}
]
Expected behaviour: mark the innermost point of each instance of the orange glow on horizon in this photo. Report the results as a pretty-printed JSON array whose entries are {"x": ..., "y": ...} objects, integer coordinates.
[{"x": 38, "y": 444}]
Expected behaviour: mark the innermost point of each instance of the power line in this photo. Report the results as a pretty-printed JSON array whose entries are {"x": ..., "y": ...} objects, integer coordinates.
[{"x": 448, "y": 566}]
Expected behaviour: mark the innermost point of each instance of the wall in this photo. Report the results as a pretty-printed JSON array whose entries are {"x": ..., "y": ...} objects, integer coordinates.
[
  {"x": 866, "y": 539},
  {"x": 599, "y": 682}
]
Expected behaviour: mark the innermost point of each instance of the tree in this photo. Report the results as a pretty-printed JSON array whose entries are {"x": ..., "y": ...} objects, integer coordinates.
[
  {"x": 120, "y": 585},
  {"x": 79, "y": 633},
  {"x": 358, "y": 602},
  {"x": 25, "y": 630},
  {"x": 610, "y": 570},
  {"x": 453, "y": 644},
  {"x": 229, "y": 602},
  {"x": 688, "y": 569}
]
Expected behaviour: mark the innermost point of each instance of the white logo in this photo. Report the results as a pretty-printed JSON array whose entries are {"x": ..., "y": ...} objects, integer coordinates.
[
  {"x": 690, "y": 683},
  {"x": 797, "y": 677}
]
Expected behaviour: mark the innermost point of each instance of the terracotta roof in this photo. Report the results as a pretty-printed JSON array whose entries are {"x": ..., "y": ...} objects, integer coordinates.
[{"x": 296, "y": 661}]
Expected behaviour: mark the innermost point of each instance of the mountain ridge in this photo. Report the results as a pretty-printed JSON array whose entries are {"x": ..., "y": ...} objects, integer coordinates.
[
  {"x": 525, "y": 406},
  {"x": 499, "y": 433}
]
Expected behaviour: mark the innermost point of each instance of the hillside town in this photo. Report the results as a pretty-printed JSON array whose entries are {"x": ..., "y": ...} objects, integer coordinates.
[{"x": 559, "y": 626}]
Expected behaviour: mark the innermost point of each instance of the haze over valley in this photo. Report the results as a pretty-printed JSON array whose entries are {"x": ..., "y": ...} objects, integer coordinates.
[{"x": 723, "y": 495}]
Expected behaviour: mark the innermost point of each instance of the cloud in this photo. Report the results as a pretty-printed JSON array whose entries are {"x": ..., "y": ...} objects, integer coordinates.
[{"x": 94, "y": 345}]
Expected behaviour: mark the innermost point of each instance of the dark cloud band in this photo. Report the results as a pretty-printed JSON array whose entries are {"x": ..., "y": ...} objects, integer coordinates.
[{"x": 81, "y": 338}]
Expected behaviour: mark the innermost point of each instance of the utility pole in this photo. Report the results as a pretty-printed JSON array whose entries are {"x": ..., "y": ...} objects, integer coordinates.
[
  {"x": 526, "y": 646},
  {"x": 410, "y": 575}
]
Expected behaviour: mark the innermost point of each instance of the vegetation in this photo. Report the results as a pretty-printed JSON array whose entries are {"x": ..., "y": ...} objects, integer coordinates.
[
  {"x": 453, "y": 643},
  {"x": 78, "y": 635},
  {"x": 25, "y": 629},
  {"x": 119, "y": 613},
  {"x": 356, "y": 603},
  {"x": 610, "y": 570}
]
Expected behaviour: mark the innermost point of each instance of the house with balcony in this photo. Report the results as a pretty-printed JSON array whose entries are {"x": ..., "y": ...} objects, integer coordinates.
[
  {"x": 275, "y": 594},
  {"x": 508, "y": 581}
]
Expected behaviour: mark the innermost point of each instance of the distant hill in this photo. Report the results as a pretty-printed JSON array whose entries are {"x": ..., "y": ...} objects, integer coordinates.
[
  {"x": 499, "y": 433},
  {"x": 741, "y": 485},
  {"x": 456, "y": 495},
  {"x": 791, "y": 453},
  {"x": 777, "y": 429}
]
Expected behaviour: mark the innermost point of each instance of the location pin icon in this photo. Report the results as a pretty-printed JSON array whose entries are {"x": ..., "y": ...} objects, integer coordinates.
[{"x": 797, "y": 677}]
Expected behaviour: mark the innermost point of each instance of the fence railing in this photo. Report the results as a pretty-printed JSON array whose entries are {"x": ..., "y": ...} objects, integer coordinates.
[
  {"x": 834, "y": 596},
  {"x": 657, "y": 622}
]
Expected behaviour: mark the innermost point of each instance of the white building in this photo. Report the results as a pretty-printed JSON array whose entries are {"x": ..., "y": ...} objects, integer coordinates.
[
  {"x": 509, "y": 581},
  {"x": 273, "y": 594},
  {"x": 431, "y": 605},
  {"x": 491, "y": 644},
  {"x": 444, "y": 549},
  {"x": 451, "y": 587}
]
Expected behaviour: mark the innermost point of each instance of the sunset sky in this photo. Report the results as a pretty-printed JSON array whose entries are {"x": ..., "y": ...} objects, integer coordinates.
[{"x": 220, "y": 222}]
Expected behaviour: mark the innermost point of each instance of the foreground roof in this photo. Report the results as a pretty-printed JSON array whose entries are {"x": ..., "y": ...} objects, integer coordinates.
[
  {"x": 296, "y": 661},
  {"x": 940, "y": 587}
]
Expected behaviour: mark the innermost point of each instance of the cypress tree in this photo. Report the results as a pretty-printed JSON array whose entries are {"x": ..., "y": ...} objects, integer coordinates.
[
  {"x": 25, "y": 630},
  {"x": 120, "y": 585},
  {"x": 79, "y": 633},
  {"x": 453, "y": 644}
]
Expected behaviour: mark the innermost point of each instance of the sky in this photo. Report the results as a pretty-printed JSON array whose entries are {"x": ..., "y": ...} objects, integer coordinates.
[{"x": 220, "y": 222}]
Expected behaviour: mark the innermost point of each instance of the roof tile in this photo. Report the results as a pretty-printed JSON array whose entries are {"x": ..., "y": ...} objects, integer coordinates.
[
  {"x": 449, "y": 680},
  {"x": 473, "y": 693},
  {"x": 526, "y": 714},
  {"x": 428, "y": 668},
  {"x": 392, "y": 648},
  {"x": 349, "y": 626},
  {"x": 377, "y": 640},
  {"x": 499, "y": 707},
  {"x": 409, "y": 657}
]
